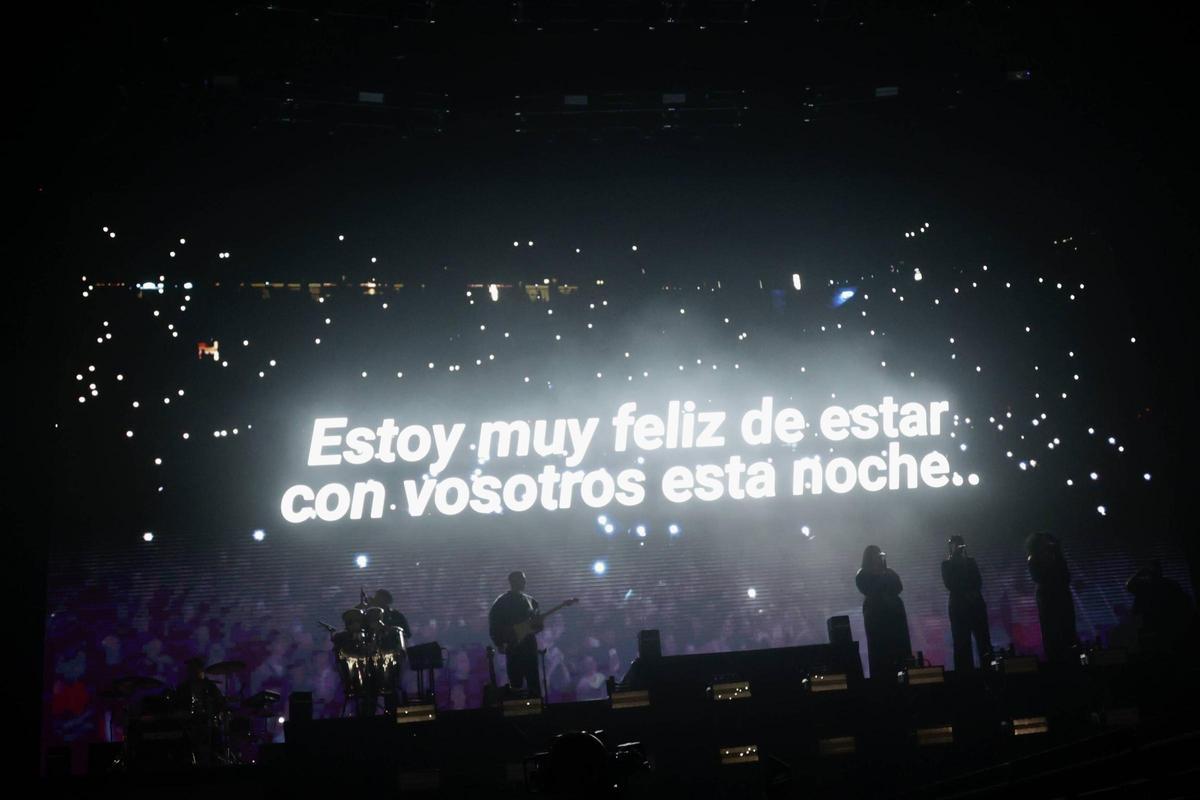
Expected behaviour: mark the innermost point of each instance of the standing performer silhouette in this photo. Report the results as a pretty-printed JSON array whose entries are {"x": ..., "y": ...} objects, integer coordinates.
[
  {"x": 1056, "y": 609},
  {"x": 888, "y": 644},
  {"x": 509, "y": 609},
  {"x": 968, "y": 611}
]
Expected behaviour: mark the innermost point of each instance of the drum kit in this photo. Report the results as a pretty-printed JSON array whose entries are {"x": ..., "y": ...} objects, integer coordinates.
[
  {"x": 371, "y": 655},
  {"x": 196, "y": 724}
]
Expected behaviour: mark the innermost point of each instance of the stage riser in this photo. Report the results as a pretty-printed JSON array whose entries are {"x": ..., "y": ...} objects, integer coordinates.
[{"x": 682, "y": 737}]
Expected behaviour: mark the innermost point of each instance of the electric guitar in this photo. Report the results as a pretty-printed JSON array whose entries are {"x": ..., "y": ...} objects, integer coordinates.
[{"x": 517, "y": 633}]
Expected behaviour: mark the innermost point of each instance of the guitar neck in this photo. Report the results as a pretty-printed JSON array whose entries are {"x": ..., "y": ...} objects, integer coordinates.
[{"x": 558, "y": 607}]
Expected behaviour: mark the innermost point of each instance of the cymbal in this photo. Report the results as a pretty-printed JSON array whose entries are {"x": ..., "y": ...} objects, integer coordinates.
[
  {"x": 225, "y": 668},
  {"x": 134, "y": 683}
]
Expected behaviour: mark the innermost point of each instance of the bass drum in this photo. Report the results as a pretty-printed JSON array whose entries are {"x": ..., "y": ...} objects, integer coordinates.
[
  {"x": 389, "y": 662},
  {"x": 349, "y": 653},
  {"x": 391, "y": 640}
]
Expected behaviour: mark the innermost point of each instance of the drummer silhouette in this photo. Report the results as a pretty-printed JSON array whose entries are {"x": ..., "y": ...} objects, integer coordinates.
[
  {"x": 383, "y": 599},
  {"x": 197, "y": 690},
  {"x": 201, "y": 701},
  {"x": 370, "y": 654}
]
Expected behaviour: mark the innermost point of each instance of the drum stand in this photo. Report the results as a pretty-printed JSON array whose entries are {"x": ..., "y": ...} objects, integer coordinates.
[
  {"x": 421, "y": 693},
  {"x": 225, "y": 754}
]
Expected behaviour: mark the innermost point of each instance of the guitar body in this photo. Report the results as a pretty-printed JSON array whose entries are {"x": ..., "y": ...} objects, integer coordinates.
[
  {"x": 533, "y": 625},
  {"x": 530, "y": 626}
]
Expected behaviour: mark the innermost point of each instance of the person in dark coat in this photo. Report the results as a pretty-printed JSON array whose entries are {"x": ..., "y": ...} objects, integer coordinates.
[
  {"x": 509, "y": 609},
  {"x": 888, "y": 644},
  {"x": 1056, "y": 608},
  {"x": 1169, "y": 621},
  {"x": 968, "y": 611}
]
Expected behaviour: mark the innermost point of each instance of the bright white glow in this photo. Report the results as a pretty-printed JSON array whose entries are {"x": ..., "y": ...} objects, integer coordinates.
[
  {"x": 609, "y": 528},
  {"x": 599, "y": 567},
  {"x": 147, "y": 537},
  {"x": 1102, "y": 510},
  {"x": 259, "y": 535},
  {"x": 752, "y": 593},
  {"x": 601, "y": 520},
  {"x": 673, "y": 529},
  {"x": 361, "y": 561},
  {"x": 640, "y": 530},
  {"x": 796, "y": 281}
]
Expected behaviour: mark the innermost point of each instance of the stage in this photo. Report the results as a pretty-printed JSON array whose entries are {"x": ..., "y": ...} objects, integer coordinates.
[{"x": 977, "y": 734}]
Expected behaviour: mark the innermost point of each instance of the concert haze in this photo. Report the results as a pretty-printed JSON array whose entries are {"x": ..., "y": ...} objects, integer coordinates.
[{"x": 924, "y": 373}]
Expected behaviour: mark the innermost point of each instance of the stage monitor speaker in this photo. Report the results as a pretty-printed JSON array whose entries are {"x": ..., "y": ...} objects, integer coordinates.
[
  {"x": 300, "y": 707},
  {"x": 839, "y": 630},
  {"x": 425, "y": 656},
  {"x": 649, "y": 644}
]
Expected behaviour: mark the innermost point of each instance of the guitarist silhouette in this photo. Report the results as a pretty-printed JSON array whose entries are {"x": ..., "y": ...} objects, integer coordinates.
[{"x": 513, "y": 622}]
